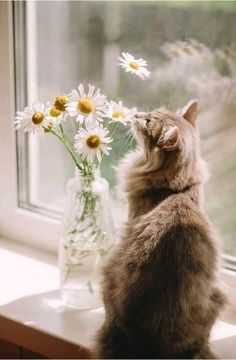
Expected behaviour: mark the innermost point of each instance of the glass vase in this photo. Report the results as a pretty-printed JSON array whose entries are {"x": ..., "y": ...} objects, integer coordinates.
[{"x": 87, "y": 235}]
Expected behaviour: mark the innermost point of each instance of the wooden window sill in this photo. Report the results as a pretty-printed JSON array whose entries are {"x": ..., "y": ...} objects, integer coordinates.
[{"x": 33, "y": 316}]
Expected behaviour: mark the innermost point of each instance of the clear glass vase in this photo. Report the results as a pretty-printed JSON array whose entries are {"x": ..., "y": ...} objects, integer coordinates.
[{"x": 87, "y": 235}]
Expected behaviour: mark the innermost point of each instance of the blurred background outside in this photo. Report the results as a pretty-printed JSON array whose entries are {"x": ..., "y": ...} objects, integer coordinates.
[{"x": 191, "y": 52}]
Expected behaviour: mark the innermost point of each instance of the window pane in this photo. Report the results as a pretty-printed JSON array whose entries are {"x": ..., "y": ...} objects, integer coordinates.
[{"x": 75, "y": 42}]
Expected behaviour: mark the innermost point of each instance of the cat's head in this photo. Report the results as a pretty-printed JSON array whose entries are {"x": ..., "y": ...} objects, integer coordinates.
[
  {"x": 168, "y": 132},
  {"x": 170, "y": 145},
  {"x": 169, "y": 155}
]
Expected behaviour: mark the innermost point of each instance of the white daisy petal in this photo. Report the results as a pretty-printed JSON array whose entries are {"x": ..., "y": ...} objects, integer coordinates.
[
  {"x": 91, "y": 90},
  {"x": 90, "y": 156},
  {"x": 79, "y": 119},
  {"x": 81, "y": 90},
  {"x": 99, "y": 156},
  {"x": 90, "y": 143},
  {"x": 119, "y": 113},
  {"x": 33, "y": 119},
  {"x": 88, "y": 107},
  {"x": 73, "y": 95},
  {"x": 135, "y": 66}
]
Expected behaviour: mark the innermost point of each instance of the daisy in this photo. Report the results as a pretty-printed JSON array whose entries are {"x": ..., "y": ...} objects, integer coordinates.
[
  {"x": 119, "y": 113},
  {"x": 61, "y": 102},
  {"x": 91, "y": 142},
  {"x": 33, "y": 119},
  {"x": 172, "y": 50},
  {"x": 135, "y": 66},
  {"x": 55, "y": 116},
  {"x": 87, "y": 107},
  {"x": 56, "y": 112}
]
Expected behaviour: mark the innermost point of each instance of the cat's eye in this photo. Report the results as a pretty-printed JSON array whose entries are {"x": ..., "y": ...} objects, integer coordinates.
[{"x": 148, "y": 122}]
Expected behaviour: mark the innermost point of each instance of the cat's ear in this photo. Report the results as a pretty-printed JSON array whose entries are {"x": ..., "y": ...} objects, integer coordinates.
[
  {"x": 169, "y": 139},
  {"x": 190, "y": 111}
]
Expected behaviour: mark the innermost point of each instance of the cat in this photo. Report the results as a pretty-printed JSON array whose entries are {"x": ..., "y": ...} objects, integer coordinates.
[{"x": 159, "y": 286}]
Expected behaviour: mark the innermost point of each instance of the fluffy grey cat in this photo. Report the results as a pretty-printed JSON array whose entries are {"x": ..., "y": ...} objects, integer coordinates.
[{"x": 159, "y": 289}]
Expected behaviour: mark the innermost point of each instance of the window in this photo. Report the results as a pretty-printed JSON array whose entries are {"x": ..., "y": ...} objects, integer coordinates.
[{"x": 190, "y": 47}]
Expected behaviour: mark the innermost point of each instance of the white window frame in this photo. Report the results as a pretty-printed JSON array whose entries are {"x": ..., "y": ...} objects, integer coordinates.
[{"x": 16, "y": 223}]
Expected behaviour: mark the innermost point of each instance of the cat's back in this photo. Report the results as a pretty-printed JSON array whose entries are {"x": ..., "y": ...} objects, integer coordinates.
[
  {"x": 182, "y": 216},
  {"x": 185, "y": 227},
  {"x": 159, "y": 279},
  {"x": 180, "y": 211},
  {"x": 176, "y": 229}
]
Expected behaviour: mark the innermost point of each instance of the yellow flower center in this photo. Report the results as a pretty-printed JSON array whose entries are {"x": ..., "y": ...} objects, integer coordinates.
[
  {"x": 198, "y": 47},
  {"x": 48, "y": 128},
  {"x": 60, "y": 102},
  {"x": 37, "y": 118},
  {"x": 55, "y": 112},
  {"x": 118, "y": 114},
  {"x": 186, "y": 50},
  {"x": 175, "y": 53},
  {"x": 85, "y": 105},
  {"x": 93, "y": 141},
  {"x": 134, "y": 65}
]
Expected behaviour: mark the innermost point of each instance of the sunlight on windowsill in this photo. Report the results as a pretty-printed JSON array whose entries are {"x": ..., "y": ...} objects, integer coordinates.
[
  {"x": 29, "y": 282},
  {"x": 22, "y": 274}
]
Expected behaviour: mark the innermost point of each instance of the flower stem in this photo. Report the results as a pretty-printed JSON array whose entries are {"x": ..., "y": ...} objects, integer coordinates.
[
  {"x": 114, "y": 129},
  {"x": 63, "y": 140},
  {"x": 67, "y": 141},
  {"x": 121, "y": 86}
]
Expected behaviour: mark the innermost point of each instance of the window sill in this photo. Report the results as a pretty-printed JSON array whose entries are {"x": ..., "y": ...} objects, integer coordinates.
[
  {"x": 33, "y": 316},
  {"x": 31, "y": 312}
]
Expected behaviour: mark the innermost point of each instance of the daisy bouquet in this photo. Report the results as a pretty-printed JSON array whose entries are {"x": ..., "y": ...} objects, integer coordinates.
[{"x": 89, "y": 113}]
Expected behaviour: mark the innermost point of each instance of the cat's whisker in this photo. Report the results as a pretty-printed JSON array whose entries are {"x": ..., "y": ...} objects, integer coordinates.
[
  {"x": 128, "y": 139},
  {"x": 127, "y": 131},
  {"x": 133, "y": 135},
  {"x": 124, "y": 134},
  {"x": 120, "y": 136}
]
